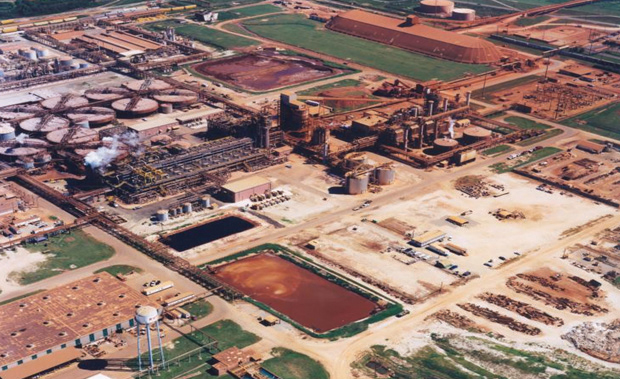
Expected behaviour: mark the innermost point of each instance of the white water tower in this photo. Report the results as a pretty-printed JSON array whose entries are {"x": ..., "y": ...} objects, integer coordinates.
[{"x": 147, "y": 316}]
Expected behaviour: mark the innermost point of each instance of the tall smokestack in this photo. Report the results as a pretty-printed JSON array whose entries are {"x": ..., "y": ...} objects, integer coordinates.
[
  {"x": 451, "y": 127},
  {"x": 445, "y": 104},
  {"x": 431, "y": 104},
  {"x": 406, "y": 137},
  {"x": 468, "y": 98}
]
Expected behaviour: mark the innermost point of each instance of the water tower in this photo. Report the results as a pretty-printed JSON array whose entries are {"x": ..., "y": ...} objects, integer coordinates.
[{"x": 147, "y": 316}]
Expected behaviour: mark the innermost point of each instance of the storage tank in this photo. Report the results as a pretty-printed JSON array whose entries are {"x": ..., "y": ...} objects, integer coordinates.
[
  {"x": 385, "y": 175},
  {"x": 475, "y": 133},
  {"x": 162, "y": 215},
  {"x": 132, "y": 108},
  {"x": 42, "y": 159},
  {"x": 17, "y": 151},
  {"x": 187, "y": 207},
  {"x": 7, "y": 132},
  {"x": 30, "y": 54},
  {"x": 26, "y": 163},
  {"x": 19, "y": 111},
  {"x": 172, "y": 211},
  {"x": 66, "y": 63},
  {"x": 66, "y": 101},
  {"x": 354, "y": 160},
  {"x": 464, "y": 14},
  {"x": 356, "y": 184},
  {"x": 437, "y": 7},
  {"x": 166, "y": 108},
  {"x": 83, "y": 65},
  {"x": 441, "y": 145},
  {"x": 42, "y": 52},
  {"x": 96, "y": 116},
  {"x": 179, "y": 211},
  {"x": 106, "y": 93},
  {"x": 44, "y": 124},
  {"x": 205, "y": 201}
]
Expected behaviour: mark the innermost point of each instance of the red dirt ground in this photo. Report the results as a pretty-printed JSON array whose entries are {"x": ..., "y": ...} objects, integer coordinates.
[{"x": 305, "y": 297}]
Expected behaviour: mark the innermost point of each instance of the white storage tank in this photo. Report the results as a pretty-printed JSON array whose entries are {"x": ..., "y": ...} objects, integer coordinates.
[
  {"x": 385, "y": 175},
  {"x": 464, "y": 14},
  {"x": 205, "y": 201},
  {"x": 7, "y": 132},
  {"x": 162, "y": 215},
  {"x": 356, "y": 184},
  {"x": 187, "y": 208}
]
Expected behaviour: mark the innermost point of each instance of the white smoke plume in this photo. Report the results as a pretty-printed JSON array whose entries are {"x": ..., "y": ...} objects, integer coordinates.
[
  {"x": 112, "y": 148},
  {"x": 21, "y": 138}
]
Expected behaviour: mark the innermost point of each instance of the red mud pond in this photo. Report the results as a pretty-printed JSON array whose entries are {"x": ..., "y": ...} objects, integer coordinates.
[
  {"x": 260, "y": 72},
  {"x": 305, "y": 297}
]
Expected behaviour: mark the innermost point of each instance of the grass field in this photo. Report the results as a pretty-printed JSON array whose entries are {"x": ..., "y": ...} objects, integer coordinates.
[
  {"x": 66, "y": 251},
  {"x": 199, "y": 308},
  {"x": 525, "y": 123},
  {"x": 503, "y": 167},
  {"x": 226, "y": 332},
  {"x": 288, "y": 364},
  {"x": 528, "y": 21},
  {"x": 604, "y": 121},
  {"x": 119, "y": 269},
  {"x": 299, "y": 31},
  {"x": 254, "y": 10},
  {"x": 232, "y": 27},
  {"x": 208, "y": 36},
  {"x": 490, "y": 91},
  {"x": 497, "y": 150}
]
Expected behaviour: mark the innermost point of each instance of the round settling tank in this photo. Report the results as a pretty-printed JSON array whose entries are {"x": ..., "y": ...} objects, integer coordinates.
[
  {"x": 176, "y": 97},
  {"x": 96, "y": 116},
  {"x": 464, "y": 14},
  {"x": 356, "y": 183},
  {"x": 162, "y": 215},
  {"x": 81, "y": 135},
  {"x": 475, "y": 134},
  {"x": 43, "y": 124},
  {"x": 385, "y": 175},
  {"x": 68, "y": 101},
  {"x": 154, "y": 85},
  {"x": 19, "y": 152},
  {"x": 438, "y": 7},
  {"x": 130, "y": 108},
  {"x": 19, "y": 111},
  {"x": 441, "y": 145},
  {"x": 7, "y": 132},
  {"x": 106, "y": 93}
]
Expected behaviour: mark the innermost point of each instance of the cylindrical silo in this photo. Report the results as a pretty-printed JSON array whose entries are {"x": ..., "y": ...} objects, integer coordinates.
[
  {"x": 385, "y": 175},
  {"x": 166, "y": 108},
  {"x": 7, "y": 132},
  {"x": 464, "y": 14},
  {"x": 437, "y": 7},
  {"x": 356, "y": 184},
  {"x": 205, "y": 201},
  {"x": 162, "y": 215},
  {"x": 187, "y": 207}
]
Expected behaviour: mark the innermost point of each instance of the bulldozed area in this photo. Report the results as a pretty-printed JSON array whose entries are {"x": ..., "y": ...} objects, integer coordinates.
[
  {"x": 476, "y": 186},
  {"x": 498, "y": 318},
  {"x": 458, "y": 321},
  {"x": 521, "y": 308},
  {"x": 558, "y": 291},
  {"x": 599, "y": 340}
]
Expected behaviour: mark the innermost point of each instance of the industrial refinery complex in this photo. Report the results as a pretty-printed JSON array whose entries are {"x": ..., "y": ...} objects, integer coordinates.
[{"x": 309, "y": 189}]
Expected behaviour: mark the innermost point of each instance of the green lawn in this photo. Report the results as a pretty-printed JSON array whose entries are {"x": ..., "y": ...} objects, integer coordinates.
[
  {"x": 226, "y": 332},
  {"x": 604, "y": 121},
  {"x": 288, "y": 364},
  {"x": 343, "y": 83},
  {"x": 490, "y": 91},
  {"x": 299, "y": 31},
  {"x": 208, "y": 36},
  {"x": 497, "y": 150},
  {"x": 199, "y": 308},
  {"x": 524, "y": 123},
  {"x": 254, "y": 10},
  {"x": 119, "y": 269},
  {"x": 528, "y": 21},
  {"x": 236, "y": 29},
  {"x": 507, "y": 166},
  {"x": 65, "y": 251}
]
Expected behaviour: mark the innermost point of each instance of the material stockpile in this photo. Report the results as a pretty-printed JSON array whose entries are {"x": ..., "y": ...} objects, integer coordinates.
[
  {"x": 599, "y": 340},
  {"x": 500, "y": 319}
]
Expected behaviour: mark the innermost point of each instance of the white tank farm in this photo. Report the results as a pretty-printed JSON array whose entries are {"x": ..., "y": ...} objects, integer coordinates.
[
  {"x": 68, "y": 101},
  {"x": 44, "y": 124},
  {"x": 81, "y": 135},
  {"x": 7, "y": 132}
]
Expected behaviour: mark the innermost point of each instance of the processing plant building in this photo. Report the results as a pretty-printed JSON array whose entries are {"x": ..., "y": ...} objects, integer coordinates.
[
  {"x": 410, "y": 34},
  {"x": 51, "y": 323}
]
